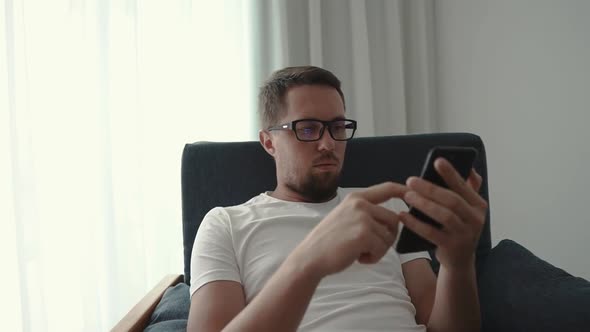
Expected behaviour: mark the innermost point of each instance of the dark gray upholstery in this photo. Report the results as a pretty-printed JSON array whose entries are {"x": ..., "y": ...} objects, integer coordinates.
[
  {"x": 171, "y": 314},
  {"x": 225, "y": 174},
  {"x": 518, "y": 291}
]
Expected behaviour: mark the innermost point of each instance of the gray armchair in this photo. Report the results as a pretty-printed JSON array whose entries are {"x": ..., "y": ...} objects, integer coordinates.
[{"x": 518, "y": 291}]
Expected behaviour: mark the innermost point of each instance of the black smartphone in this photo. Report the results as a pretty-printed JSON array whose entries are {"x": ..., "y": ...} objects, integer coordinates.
[{"x": 462, "y": 159}]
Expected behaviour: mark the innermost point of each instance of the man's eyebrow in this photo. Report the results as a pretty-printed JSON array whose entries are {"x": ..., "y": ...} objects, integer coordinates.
[{"x": 340, "y": 117}]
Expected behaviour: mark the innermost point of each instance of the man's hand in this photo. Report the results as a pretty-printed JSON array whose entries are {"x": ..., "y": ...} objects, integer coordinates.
[
  {"x": 460, "y": 210},
  {"x": 357, "y": 229}
]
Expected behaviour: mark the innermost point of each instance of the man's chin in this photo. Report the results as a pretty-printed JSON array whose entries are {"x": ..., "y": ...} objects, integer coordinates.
[{"x": 321, "y": 187}]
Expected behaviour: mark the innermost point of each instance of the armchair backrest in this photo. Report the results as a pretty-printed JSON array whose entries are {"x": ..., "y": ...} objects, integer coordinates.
[{"x": 226, "y": 174}]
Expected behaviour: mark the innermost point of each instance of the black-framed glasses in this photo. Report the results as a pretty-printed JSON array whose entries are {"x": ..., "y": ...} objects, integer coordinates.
[{"x": 309, "y": 130}]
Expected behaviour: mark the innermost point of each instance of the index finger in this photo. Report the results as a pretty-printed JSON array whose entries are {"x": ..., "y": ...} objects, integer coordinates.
[{"x": 382, "y": 192}]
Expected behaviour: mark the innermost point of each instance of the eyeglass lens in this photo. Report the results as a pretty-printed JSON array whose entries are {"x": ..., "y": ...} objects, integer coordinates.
[{"x": 310, "y": 130}]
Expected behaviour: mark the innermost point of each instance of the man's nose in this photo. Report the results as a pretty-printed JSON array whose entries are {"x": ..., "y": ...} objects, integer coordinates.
[{"x": 326, "y": 142}]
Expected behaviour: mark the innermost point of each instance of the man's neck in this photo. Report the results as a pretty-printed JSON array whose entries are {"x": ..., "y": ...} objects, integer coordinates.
[{"x": 286, "y": 194}]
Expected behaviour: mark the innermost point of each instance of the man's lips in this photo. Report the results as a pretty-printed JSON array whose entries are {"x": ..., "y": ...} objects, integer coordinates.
[
  {"x": 326, "y": 164},
  {"x": 326, "y": 161}
]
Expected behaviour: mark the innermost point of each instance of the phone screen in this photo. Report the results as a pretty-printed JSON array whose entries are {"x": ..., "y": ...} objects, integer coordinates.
[{"x": 462, "y": 159}]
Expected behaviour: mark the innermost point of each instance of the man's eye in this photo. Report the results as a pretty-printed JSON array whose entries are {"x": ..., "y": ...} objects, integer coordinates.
[
  {"x": 307, "y": 130},
  {"x": 338, "y": 127}
]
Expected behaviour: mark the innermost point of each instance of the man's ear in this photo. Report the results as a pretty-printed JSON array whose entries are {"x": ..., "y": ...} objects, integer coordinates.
[{"x": 266, "y": 142}]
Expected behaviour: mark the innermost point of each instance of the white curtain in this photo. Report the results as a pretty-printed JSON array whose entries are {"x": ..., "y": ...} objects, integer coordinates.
[
  {"x": 97, "y": 99},
  {"x": 382, "y": 51}
]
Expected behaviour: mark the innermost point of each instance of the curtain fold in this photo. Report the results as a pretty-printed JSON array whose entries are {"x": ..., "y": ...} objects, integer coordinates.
[
  {"x": 97, "y": 99},
  {"x": 382, "y": 50}
]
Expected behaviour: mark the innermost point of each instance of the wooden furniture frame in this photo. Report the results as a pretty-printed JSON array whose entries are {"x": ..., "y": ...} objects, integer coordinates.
[{"x": 138, "y": 317}]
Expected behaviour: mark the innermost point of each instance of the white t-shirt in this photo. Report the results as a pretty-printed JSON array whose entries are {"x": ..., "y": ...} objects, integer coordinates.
[{"x": 247, "y": 243}]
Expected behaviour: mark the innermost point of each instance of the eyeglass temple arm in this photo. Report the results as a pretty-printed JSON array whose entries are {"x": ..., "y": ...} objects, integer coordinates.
[{"x": 283, "y": 126}]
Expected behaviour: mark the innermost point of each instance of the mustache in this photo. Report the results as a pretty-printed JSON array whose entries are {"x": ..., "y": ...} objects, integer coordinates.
[{"x": 326, "y": 158}]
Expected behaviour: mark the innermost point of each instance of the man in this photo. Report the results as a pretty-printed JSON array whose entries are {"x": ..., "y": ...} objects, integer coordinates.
[{"x": 310, "y": 256}]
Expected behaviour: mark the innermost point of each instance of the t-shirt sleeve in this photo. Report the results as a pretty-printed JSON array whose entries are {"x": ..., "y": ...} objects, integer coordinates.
[
  {"x": 404, "y": 258},
  {"x": 213, "y": 257}
]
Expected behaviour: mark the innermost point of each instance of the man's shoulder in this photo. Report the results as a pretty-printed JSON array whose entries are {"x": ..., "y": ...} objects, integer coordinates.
[
  {"x": 253, "y": 202},
  {"x": 226, "y": 212}
]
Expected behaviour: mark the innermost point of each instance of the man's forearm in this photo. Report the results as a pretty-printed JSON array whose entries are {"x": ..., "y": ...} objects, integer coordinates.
[
  {"x": 456, "y": 303},
  {"x": 282, "y": 302}
]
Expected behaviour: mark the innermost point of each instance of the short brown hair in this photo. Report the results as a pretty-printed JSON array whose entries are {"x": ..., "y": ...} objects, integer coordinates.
[{"x": 272, "y": 93}]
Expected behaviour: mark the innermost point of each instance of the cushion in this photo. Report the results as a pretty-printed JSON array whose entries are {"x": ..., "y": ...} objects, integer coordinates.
[
  {"x": 521, "y": 292},
  {"x": 171, "y": 313},
  {"x": 175, "y": 325}
]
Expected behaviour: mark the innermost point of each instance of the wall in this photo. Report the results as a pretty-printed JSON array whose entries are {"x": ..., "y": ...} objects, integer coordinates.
[{"x": 518, "y": 74}]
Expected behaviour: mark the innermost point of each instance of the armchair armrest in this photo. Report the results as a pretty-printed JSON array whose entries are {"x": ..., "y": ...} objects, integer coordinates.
[
  {"x": 138, "y": 317},
  {"x": 520, "y": 292}
]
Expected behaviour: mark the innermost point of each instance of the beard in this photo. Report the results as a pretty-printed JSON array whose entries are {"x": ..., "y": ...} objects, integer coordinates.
[{"x": 317, "y": 187}]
